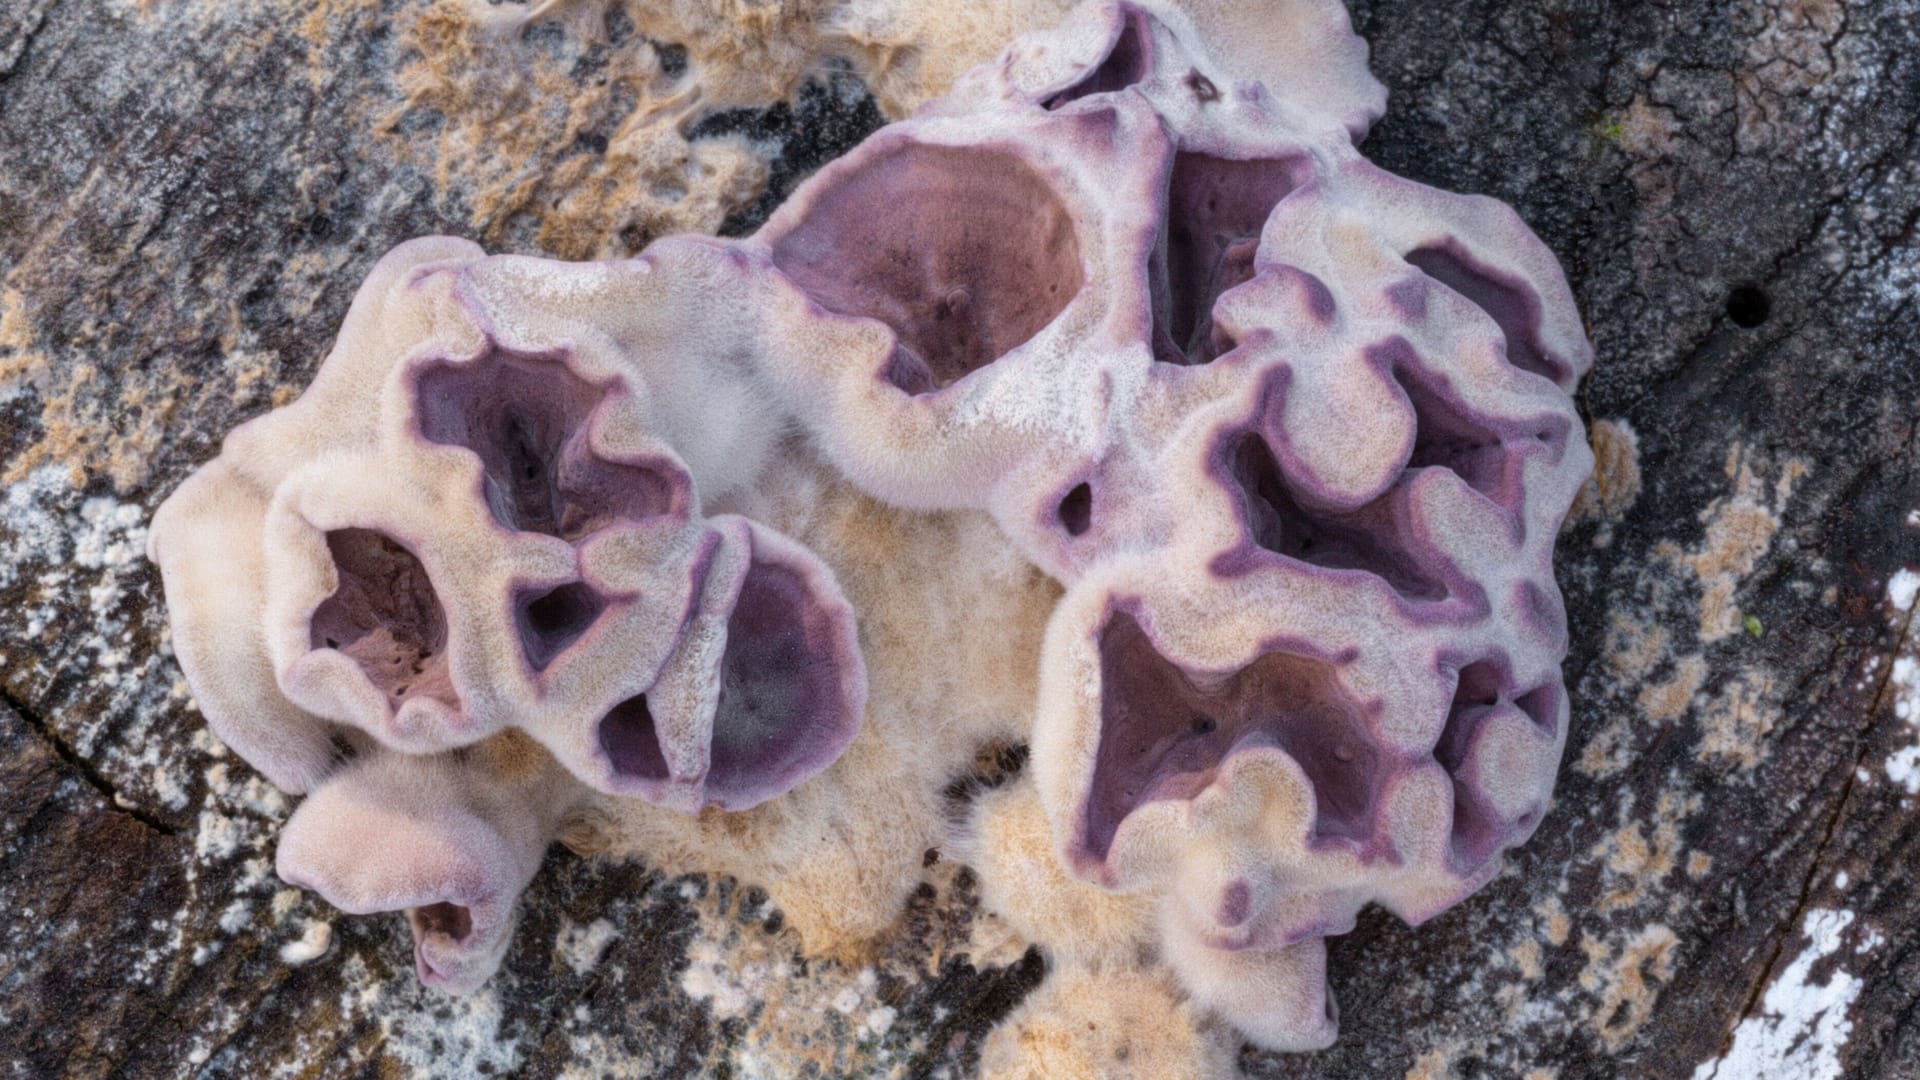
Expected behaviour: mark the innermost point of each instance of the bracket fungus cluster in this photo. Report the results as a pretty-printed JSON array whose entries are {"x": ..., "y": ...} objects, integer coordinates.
[{"x": 1242, "y": 458}]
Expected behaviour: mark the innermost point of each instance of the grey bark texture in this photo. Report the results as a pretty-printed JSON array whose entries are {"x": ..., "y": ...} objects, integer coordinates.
[{"x": 1726, "y": 881}]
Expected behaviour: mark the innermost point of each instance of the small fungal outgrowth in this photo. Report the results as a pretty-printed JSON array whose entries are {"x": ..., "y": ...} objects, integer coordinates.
[{"x": 1121, "y": 356}]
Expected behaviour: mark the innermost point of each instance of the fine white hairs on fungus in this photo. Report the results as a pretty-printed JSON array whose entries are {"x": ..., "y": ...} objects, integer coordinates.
[{"x": 1113, "y": 403}]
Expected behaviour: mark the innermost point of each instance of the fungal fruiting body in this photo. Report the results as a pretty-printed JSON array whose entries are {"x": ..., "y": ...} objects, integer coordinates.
[{"x": 1113, "y": 402}]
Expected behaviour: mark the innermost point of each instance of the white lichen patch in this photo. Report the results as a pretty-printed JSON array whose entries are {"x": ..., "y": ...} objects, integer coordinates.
[
  {"x": 1903, "y": 686},
  {"x": 597, "y": 1055},
  {"x": 452, "y": 1036},
  {"x": 832, "y": 1017},
  {"x": 426, "y": 1033},
  {"x": 801, "y": 1011},
  {"x": 1901, "y": 589},
  {"x": 581, "y": 946},
  {"x": 1902, "y": 691},
  {"x": 81, "y": 611},
  {"x": 115, "y": 534},
  {"x": 1802, "y": 1025},
  {"x": 729, "y": 988},
  {"x": 32, "y": 528},
  {"x": 236, "y": 916}
]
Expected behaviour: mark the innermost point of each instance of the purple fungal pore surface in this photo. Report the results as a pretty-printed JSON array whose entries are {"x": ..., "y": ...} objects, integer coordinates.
[
  {"x": 1291, "y": 436},
  {"x": 1164, "y": 733},
  {"x": 973, "y": 255},
  {"x": 1216, "y": 208},
  {"x": 385, "y": 616},
  {"x": 631, "y": 741},
  {"x": 766, "y": 675},
  {"x": 527, "y": 419}
]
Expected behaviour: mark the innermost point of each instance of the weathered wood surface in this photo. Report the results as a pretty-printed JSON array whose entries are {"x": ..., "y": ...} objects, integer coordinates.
[{"x": 190, "y": 191}]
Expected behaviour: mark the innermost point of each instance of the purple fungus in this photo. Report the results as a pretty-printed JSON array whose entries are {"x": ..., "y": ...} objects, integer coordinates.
[
  {"x": 1165, "y": 733},
  {"x": 1509, "y": 301},
  {"x": 974, "y": 256},
  {"x": 1215, "y": 210},
  {"x": 386, "y": 616},
  {"x": 527, "y": 419},
  {"x": 788, "y": 686}
]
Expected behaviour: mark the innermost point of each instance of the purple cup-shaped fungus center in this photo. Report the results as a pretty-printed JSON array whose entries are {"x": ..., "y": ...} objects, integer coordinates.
[
  {"x": 549, "y": 621},
  {"x": 782, "y": 711},
  {"x": 966, "y": 253},
  {"x": 632, "y": 742},
  {"x": 1164, "y": 734},
  {"x": 385, "y": 615},
  {"x": 526, "y": 417},
  {"x": 1216, "y": 208}
]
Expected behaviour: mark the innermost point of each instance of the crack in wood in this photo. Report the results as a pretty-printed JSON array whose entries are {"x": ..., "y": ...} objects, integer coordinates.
[
  {"x": 86, "y": 770},
  {"x": 1880, "y": 704}
]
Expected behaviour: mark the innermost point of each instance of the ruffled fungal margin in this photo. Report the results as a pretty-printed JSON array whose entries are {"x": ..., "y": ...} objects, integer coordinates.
[{"x": 1121, "y": 355}]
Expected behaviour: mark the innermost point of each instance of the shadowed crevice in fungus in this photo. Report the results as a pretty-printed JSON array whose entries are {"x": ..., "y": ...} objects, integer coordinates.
[
  {"x": 1216, "y": 208},
  {"x": 1479, "y": 724},
  {"x": 1511, "y": 302},
  {"x": 972, "y": 257},
  {"x": 1448, "y": 435},
  {"x": 1542, "y": 706},
  {"x": 1164, "y": 734},
  {"x": 1076, "y": 510},
  {"x": 782, "y": 711},
  {"x": 550, "y": 621},
  {"x": 1479, "y": 684},
  {"x": 386, "y": 616},
  {"x": 527, "y": 418},
  {"x": 631, "y": 742},
  {"x": 1127, "y": 62},
  {"x": 445, "y": 917},
  {"x": 1476, "y": 830},
  {"x": 1370, "y": 539}
]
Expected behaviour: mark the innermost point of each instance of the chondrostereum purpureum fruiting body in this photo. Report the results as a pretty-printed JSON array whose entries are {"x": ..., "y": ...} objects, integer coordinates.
[{"x": 1112, "y": 403}]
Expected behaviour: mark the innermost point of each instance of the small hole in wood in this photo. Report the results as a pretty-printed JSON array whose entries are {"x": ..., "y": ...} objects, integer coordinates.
[{"x": 1748, "y": 306}]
